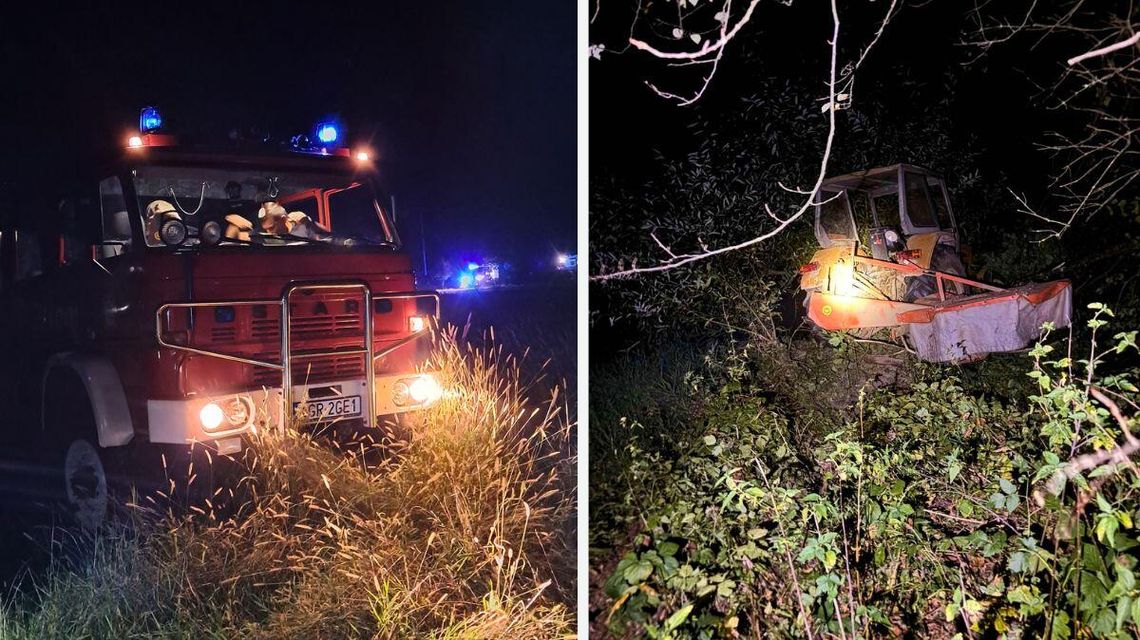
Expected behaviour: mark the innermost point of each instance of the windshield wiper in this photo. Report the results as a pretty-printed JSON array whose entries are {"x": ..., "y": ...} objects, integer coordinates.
[
  {"x": 365, "y": 241},
  {"x": 281, "y": 236}
]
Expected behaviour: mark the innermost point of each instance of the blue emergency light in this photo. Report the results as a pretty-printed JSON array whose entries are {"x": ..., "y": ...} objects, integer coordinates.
[
  {"x": 471, "y": 266},
  {"x": 328, "y": 132},
  {"x": 150, "y": 120}
]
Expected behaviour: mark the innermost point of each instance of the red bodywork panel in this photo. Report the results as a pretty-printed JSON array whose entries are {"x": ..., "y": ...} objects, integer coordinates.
[
  {"x": 837, "y": 313},
  {"x": 1034, "y": 293},
  {"x": 319, "y": 321}
]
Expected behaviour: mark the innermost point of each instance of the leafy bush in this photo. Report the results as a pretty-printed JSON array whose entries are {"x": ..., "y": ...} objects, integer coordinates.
[{"x": 929, "y": 510}]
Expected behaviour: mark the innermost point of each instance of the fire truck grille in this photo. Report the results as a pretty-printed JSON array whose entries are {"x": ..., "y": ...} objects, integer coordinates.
[
  {"x": 316, "y": 370},
  {"x": 322, "y": 326},
  {"x": 223, "y": 334}
]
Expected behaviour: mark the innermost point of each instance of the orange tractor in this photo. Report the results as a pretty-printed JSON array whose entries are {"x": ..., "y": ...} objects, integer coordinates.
[{"x": 905, "y": 271}]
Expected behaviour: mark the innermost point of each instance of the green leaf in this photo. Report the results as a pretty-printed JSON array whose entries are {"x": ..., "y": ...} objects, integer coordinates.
[
  {"x": 1060, "y": 629},
  {"x": 1006, "y": 486},
  {"x": 638, "y": 573},
  {"x": 710, "y": 440},
  {"x": 678, "y": 617},
  {"x": 965, "y": 508},
  {"x": 1103, "y": 503},
  {"x": 1123, "y": 608},
  {"x": 1017, "y": 561},
  {"x": 1011, "y": 502}
]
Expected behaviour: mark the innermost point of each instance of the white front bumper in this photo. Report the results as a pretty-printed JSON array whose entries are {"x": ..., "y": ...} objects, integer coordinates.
[{"x": 178, "y": 421}]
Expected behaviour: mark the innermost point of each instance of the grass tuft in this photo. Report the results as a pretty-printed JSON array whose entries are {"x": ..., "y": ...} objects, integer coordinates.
[{"x": 458, "y": 524}]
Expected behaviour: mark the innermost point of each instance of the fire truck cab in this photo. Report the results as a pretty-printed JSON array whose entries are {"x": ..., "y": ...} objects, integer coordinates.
[{"x": 181, "y": 298}]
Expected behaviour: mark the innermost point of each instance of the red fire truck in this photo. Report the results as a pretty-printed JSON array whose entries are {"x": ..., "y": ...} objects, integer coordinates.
[{"x": 185, "y": 296}]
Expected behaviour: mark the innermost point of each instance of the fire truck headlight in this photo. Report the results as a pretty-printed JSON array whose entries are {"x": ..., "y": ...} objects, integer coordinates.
[
  {"x": 417, "y": 324},
  {"x": 424, "y": 389},
  {"x": 211, "y": 416},
  {"x": 233, "y": 413}
]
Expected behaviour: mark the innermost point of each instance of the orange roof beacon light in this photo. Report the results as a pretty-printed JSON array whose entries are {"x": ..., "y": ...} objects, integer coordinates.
[
  {"x": 363, "y": 156},
  {"x": 910, "y": 275},
  {"x": 134, "y": 142}
]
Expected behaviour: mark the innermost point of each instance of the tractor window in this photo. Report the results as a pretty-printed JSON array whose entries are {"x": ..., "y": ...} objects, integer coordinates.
[
  {"x": 887, "y": 210},
  {"x": 938, "y": 197},
  {"x": 833, "y": 220},
  {"x": 918, "y": 206}
]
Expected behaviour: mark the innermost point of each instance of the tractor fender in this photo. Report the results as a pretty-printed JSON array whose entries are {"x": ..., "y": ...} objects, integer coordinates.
[{"x": 104, "y": 392}]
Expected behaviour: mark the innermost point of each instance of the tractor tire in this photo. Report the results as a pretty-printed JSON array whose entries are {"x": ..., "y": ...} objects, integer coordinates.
[{"x": 944, "y": 259}]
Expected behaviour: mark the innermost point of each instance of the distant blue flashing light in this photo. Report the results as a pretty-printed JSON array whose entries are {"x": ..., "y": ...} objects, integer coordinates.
[
  {"x": 466, "y": 281},
  {"x": 471, "y": 266},
  {"x": 149, "y": 120},
  {"x": 327, "y": 132}
]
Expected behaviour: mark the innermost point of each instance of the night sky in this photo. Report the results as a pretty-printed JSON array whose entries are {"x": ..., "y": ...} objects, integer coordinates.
[
  {"x": 994, "y": 97},
  {"x": 470, "y": 106}
]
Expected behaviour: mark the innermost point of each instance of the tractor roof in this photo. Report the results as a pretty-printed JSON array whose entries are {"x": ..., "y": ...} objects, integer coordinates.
[{"x": 871, "y": 179}]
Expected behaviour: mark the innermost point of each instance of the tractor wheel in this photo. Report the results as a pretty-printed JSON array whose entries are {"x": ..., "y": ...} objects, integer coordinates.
[{"x": 944, "y": 259}]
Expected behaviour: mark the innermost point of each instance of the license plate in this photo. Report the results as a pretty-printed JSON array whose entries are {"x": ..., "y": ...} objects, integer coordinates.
[{"x": 328, "y": 409}]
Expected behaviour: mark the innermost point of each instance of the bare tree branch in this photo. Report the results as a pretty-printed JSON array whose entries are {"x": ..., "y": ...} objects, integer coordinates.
[
  {"x": 673, "y": 263},
  {"x": 1123, "y": 44},
  {"x": 1095, "y": 167},
  {"x": 705, "y": 50}
]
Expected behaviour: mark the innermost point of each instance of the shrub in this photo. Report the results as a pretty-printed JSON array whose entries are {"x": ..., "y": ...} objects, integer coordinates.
[{"x": 930, "y": 511}]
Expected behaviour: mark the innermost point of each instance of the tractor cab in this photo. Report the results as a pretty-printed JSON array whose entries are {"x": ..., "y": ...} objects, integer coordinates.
[
  {"x": 903, "y": 207},
  {"x": 890, "y": 257}
]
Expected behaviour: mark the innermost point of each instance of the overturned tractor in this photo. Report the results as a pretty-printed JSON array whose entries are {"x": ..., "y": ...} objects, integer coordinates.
[{"x": 905, "y": 271}]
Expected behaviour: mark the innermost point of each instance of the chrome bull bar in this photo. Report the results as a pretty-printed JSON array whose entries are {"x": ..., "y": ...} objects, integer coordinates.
[{"x": 367, "y": 350}]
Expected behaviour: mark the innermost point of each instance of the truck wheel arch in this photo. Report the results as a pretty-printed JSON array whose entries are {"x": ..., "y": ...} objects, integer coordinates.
[{"x": 104, "y": 391}]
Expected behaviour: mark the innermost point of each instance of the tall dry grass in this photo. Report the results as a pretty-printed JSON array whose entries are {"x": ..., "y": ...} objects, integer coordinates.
[{"x": 466, "y": 532}]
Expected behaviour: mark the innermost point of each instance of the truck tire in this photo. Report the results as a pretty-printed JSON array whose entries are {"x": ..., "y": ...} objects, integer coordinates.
[{"x": 88, "y": 475}]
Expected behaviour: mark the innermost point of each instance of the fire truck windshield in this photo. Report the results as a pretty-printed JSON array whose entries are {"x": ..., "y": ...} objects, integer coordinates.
[{"x": 259, "y": 207}]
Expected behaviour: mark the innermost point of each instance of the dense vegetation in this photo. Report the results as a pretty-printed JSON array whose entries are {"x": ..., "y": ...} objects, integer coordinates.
[
  {"x": 468, "y": 532},
  {"x": 752, "y": 477},
  {"x": 730, "y": 498}
]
